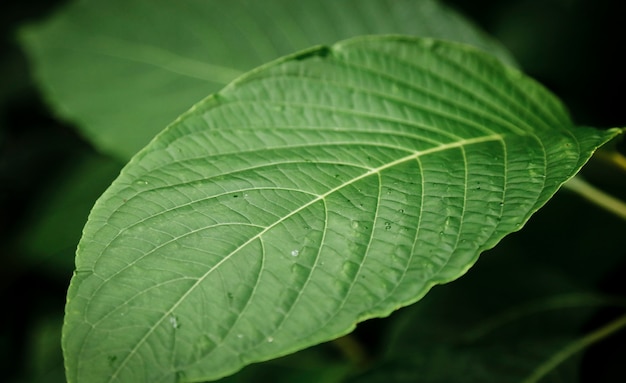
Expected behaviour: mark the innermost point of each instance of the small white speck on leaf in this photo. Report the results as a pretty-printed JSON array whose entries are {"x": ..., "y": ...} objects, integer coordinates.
[{"x": 174, "y": 321}]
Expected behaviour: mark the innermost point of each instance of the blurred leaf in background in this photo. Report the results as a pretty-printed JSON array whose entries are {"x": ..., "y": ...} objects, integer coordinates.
[{"x": 123, "y": 70}]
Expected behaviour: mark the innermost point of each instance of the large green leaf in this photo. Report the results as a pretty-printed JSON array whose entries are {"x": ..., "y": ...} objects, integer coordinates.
[
  {"x": 125, "y": 69},
  {"x": 328, "y": 187}
]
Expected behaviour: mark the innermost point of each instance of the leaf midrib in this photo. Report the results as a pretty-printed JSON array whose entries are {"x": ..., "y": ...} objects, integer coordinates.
[{"x": 158, "y": 57}]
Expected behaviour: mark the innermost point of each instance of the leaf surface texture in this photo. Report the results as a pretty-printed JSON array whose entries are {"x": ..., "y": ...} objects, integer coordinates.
[{"x": 328, "y": 187}]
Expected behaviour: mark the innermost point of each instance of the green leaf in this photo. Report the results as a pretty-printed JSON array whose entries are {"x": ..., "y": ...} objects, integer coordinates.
[
  {"x": 331, "y": 186},
  {"x": 122, "y": 70}
]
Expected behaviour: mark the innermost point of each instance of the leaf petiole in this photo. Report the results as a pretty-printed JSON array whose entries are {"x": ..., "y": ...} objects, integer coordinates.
[{"x": 597, "y": 196}]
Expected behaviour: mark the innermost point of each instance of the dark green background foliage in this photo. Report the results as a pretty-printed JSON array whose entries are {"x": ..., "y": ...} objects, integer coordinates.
[{"x": 569, "y": 257}]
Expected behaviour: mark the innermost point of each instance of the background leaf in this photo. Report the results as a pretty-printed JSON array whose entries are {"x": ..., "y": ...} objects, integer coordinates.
[
  {"x": 122, "y": 70},
  {"x": 498, "y": 323},
  {"x": 326, "y": 188}
]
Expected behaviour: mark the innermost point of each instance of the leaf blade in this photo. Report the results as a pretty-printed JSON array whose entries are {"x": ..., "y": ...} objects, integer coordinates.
[{"x": 328, "y": 187}]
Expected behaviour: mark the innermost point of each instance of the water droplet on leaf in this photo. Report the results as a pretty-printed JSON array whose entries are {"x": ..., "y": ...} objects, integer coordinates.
[{"x": 174, "y": 322}]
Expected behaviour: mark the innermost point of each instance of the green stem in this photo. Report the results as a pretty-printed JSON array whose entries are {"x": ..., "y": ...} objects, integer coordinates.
[
  {"x": 613, "y": 158},
  {"x": 557, "y": 302},
  {"x": 575, "y": 347},
  {"x": 597, "y": 196}
]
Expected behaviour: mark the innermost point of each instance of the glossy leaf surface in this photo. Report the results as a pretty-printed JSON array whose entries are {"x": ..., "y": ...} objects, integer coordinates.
[
  {"x": 122, "y": 70},
  {"x": 328, "y": 187}
]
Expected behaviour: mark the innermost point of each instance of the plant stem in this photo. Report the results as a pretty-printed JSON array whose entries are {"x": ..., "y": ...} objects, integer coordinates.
[
  {"x": 614, "y": 158},
  {"x": 557, "y": 302},
  {"x": 575, "y": 347},
  {"x": 597, "y": 196}
]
